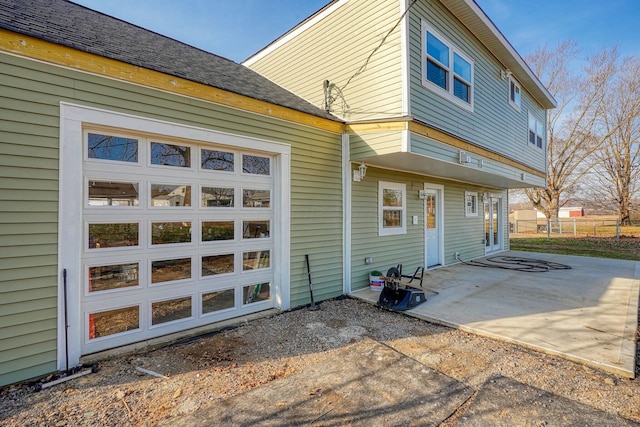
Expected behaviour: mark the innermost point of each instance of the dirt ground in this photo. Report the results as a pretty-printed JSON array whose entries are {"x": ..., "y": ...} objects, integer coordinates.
[{"x": 202, "y": 372}]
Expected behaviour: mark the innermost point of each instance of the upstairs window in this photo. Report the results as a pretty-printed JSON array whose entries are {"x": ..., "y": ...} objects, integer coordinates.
[
  {"x": 447, "y": 71},
  {"x": 514, "y": 93},
  {"x": 536, "y": 131}
]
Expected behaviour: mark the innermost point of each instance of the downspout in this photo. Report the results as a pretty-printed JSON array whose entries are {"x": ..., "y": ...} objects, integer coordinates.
[{"x": 346, "y": 214}]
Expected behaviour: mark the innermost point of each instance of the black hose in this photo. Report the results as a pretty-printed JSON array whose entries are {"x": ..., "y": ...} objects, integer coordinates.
[{"x": 528, "y": 265}]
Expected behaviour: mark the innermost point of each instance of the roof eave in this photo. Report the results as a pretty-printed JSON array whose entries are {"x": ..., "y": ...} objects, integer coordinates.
[{"x": 474, "y": 18}]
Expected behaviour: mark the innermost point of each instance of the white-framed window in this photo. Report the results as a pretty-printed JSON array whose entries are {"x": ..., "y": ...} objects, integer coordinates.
[
  {"x": 446, "y": 69},
  {"x": 514, "y": 93},
  {"x": 470, "y": 203},
  {"x": 392, "y": 208},
  {"x": 536, "y": 131}
]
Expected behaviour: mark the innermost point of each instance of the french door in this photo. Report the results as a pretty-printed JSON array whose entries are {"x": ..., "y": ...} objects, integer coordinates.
[{"x": 493, "y": 223}]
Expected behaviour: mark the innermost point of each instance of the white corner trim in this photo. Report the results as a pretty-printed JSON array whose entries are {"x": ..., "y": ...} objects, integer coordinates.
[
  {"x": 405, "y": 57},
  {"x": 406, "y": 141},
  {"x": 347, "y": 211}
]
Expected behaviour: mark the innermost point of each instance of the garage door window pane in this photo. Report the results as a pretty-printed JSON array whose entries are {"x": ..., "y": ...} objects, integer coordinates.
[
  {"x": 216, "y": 160},
  {"x": 108, "y": 147},
  {"x": 112, "y": 322},
  {"x": 256, "y": 198},
  {"x": 170, "y": 155},
  {"x": 255, "y": 293},
  {"x": 255, "y": 260},
  {"x": 255, "y": 229},
  {"x": 217, "y": 197},
  {"x": 217, "y": 230},
  {"x": 217, "y": 264},
  {"x": 216, "y": 301},
  {"x": 109, "y": 193},
  {"x": 171, "y": 269},
  {"x": 256, "y": 165},
  {"x": 108, "y": 277},
  {"x": 168, "y": 311},
  {"x": 113, "y": 235},
  {"x": 166, "y": 195},
  {"x": 163, "y": 233}
]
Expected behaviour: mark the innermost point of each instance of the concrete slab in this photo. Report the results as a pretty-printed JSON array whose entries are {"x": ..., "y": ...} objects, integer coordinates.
[
  {"x": 504, "y": 402},
  {"x": 364, "y": 384},
  {"x": 587, "y": 314}
]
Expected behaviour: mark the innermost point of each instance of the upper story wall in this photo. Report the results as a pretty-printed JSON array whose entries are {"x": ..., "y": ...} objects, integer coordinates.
[
  {"x": 489, "y": 120},
  {"x": 335, "y": 45}
]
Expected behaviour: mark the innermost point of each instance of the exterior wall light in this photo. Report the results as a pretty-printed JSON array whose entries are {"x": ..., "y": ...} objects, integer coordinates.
[
  {"x": 505, "y": 74},
  {"x": 358, "y": 175}
]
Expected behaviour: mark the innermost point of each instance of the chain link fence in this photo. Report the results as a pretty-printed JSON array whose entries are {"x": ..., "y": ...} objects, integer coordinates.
[{"x": 568, "y": 227}]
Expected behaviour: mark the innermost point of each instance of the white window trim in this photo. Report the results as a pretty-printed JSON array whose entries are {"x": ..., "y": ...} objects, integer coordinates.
[
  {"x": 474, "y": 194},
  {"x": 447, "y": 94},
  {"x": 391, "y": 231},
  {"x": 541, "y": 136},
  {"x": 515, "y": 84}
]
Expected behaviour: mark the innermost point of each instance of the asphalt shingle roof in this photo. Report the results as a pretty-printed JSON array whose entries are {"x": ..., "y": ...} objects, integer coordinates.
[{"x": 68, "y": 24}]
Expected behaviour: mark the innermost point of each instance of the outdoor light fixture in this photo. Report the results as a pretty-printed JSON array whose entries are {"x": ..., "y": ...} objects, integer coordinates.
[
  {"x": 505, "y": 74},
  {"x": 358, "y": 175}
]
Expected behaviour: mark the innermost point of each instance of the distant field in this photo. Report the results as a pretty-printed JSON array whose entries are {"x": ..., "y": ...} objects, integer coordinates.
[
  {"x": 626, "y": 247},
  {"x": 590, "y": 226}
]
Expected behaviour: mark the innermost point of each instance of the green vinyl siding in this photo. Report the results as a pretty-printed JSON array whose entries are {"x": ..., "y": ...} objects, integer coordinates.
[
  {"x": 375, "y": 144},
  {"x": 493, "y": 124},
  {"x": 447, "y": 153},
  {"x": 337, "y": 48},
  {"x": 386, "y": 251},
  {"x": 461, "y": 233},
  {"x": 30, "y": 95}
]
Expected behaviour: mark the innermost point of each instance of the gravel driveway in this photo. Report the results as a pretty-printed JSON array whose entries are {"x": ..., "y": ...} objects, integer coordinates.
[{"x": 199, "y": 373}]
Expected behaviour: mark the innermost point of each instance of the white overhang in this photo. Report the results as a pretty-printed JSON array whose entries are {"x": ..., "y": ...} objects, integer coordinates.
[{"x": 472, "y": 174}]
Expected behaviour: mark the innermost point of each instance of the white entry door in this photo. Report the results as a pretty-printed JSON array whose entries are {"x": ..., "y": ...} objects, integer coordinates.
[{"x": 433, "y": 226}]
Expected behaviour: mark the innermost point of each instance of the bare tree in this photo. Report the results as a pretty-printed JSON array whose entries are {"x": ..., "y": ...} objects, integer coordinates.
[
  {"x": 618, "y": 161},
  {"x": 573, "y": 132}
]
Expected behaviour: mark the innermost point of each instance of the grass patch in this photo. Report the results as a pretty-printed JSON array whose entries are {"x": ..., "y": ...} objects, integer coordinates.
[{"x": 598, "y": 247}]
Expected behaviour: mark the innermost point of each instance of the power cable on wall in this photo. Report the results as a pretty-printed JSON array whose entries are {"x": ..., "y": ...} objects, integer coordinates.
[{"x": 328, "y": 87}]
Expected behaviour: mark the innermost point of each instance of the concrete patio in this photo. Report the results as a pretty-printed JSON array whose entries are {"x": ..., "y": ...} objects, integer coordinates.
[{"x": 588, "y": 314}]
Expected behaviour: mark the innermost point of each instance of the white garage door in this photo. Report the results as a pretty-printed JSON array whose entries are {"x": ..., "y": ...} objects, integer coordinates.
[
  {"x": 164, "y": 227},
  {"x": 175, "y": 234}
]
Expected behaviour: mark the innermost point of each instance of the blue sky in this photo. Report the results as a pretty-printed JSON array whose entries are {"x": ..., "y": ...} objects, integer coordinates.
[{"x": 236, "y": 29}]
